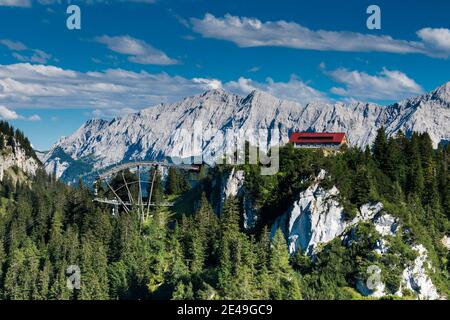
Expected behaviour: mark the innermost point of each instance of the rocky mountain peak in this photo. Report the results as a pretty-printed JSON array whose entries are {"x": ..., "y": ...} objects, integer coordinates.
[
  {"x": 211, "y": 98},
  {"x": 261, "y": 97},
  {"x": 154, "y": 133},
  {"x": 442, "y": 93},
  {"x": 216, "y": 94}
]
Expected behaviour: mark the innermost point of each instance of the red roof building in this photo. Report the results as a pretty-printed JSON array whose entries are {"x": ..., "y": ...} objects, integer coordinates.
[{"x": 332, "y": 140}]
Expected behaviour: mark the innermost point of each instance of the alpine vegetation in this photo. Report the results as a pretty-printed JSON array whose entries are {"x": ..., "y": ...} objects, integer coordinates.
[{"x": 353, "y": 224}]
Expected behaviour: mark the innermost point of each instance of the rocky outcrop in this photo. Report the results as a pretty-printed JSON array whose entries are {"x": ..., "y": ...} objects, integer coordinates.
[
  {"x": 415, "y": 277},
  {"x": 57, "y": 167},
  {"x": 446, "y": 242},
  {"x": 317, "y": 218},
  {"x": 17, "y": 157},
  {"x": 386, "y": 225},
  {"x": 376, "y": 290},
  {"x": 233, "y": 186}
]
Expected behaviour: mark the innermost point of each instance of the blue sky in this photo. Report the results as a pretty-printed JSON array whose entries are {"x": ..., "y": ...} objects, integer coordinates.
[{"x": 133, "y": 54}]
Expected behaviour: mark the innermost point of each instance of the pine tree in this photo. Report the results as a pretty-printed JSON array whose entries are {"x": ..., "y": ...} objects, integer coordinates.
[
  {"x": 43, "y": 282},
  {"x": 22, "y": 273},
  {"x": 230, "y": 218},
  {"x": 158, "y": 259},
  {"x": 94, "y": 270},
  {"x": 446, "y": 197},
  {"x": 2, "y": 263},
  {"x": 246, "y": 271},
  {"x": 207, "y": 225},
  {"x": 59, "y": 289},
  {"x": 230, "y": 245},
  {"x": 415, "y": 182},
  {"x": 2, "y": 142},
  {"x": 179, "y": 269},
  {"x": 285, "y": 281},
  {"x": 442, "y": 166},
  {"x": 118, "y": 280},
  {"x": 176, "y": 182},
  {"x": 183, "y": 292},
  {"x": 158, "y": 191},
  {"x": 361, "y": 187},
  {"x": 380, "y": 147},
  {"x": 225, "y": 269},
  {"x": 395, "y": 167},
  {"x": 264, "y": 248}
]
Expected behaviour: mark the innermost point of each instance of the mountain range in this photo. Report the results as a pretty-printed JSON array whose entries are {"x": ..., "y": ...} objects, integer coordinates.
[{"x": 158, "y": 132}]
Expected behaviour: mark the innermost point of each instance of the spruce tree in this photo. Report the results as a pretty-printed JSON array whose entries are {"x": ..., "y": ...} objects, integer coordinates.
[
  {"x": 415, "y": 182},
  {"x": 43, "y": 282},
  {"x": 430, "y": 194},
  {"x": 394, "y": 166},
  {"x": 380, "y": 147},
  {"x": 207, "y": 225},
  {"x": 286, "y": 284},
  {"x": 158, "y": 191},
  {"x": 179, "y": 269},
  {"x": 21, "y": 279},
  {"x": 118, "y": 280},
  {"x": 58, "y": 288},
  {"x": 176, "y": 182},
  {"x": 230, "y": 250},
  {"x": 94, "y": 270},
  {"x": 361, "y": 186}
]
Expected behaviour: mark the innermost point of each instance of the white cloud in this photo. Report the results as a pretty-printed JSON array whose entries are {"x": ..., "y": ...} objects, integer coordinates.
[
  {"x": 438, "y": 39},
  {"x": 34, "y": 117},
  {"x": 254, "y": 69},
  {"x": 121, "y": 91},
  {"x": 15, "y": 3},
  {"x": 210, "y": 83},
  {"x": 34, "y": 71},
  {"x": 23, "y": 85},
  {"x": 7, "y": 114},
  {"x": 13, "y": 87},
  {"x": 118, "y": 91},
  {"x": 138, "y": 50},
  {"x": 294, "y": 89},
  {"x": 28, "y": 3},
  {"x": 251, "y": 32},
  {"x": 26, "y": 54},
  {"x": 38, "y": 56},
  {"x": 13, "y": 45},
  {"x": 386, "y": 85}
]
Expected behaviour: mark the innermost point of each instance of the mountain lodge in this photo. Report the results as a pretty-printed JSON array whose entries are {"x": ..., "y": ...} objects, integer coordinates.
[{"x": 322, "y": 140}]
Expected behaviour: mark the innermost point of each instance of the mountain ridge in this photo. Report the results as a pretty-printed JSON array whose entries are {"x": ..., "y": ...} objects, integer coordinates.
[{"x": 157, "y": 132}]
